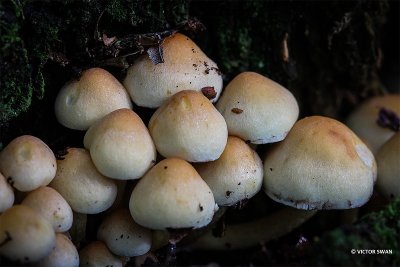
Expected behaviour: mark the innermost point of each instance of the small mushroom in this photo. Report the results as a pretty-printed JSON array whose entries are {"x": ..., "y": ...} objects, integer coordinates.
[
  {"x": 52, "y": 206},
  {"x": 321, "y": 164},
  {"x": 80, "y": 183},
  {"x": 80, "y": 103},
  {"x": 25, "y": 236},
  {"x": 185, "y": 67},
  {"x": 388, "y": 160},
  {"x": 96, "y": 254},
  {"x": 188, "y": 126},
  {"x": 120, "y": 145},
  {"x": 27, "y": 163},
  {"x": 123, "y": 236},
  {"x": 235, "y": 176},
  {"x": 258, "y": 109},
  {"x": 365, "y": 120},
  {"x": 6, "y": 194},
  {"x": 172, "y": 195},
  {"x": 64, "y": 254}
]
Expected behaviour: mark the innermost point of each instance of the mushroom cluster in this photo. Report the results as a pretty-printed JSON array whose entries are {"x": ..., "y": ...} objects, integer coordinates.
[{"x": 142, "y": 186}]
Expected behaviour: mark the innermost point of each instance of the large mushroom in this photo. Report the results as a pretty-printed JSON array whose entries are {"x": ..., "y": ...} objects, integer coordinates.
[
  {"x": 80, "y": 183},
  {"x": 188, "y": 126},
  {"x": 321, "y": 164},
  {"x": 82, "y": 102},
  {"x": 27, "y": 163},
  {"x": 184, "y": 67},
  {"x": 235, "y": 176},
  {"x": 120, "y": 145},
  {"x": 172, "y": 195},
  {"x": 258, "y": 109},
  {"x": 376, "y": 120},
  {"x": 96, "y": 254}
]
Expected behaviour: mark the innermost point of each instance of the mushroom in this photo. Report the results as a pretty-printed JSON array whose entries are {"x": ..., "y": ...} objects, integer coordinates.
[
  {"x": 6, "y": 194},
  {"x": 64, "y": 254},
  {"x": 172, "y": 195},
  {"x": 25, "y": 236},
  {"x": 52, "y": 206},
  {"x": 388, "y": 182},
  {"x": 96, "y": 254},
  {"x": 27, "y": 163},
  {"x": 120, "y": 145},
  {"x": 80, "y": 183},
  {"x": 123, "y": 236},
  {"x": 189, "y": 127},
  {"x": 80, "y": 103},
  {"x": 369, "y": 118},
  {"x": 321, "y": 164},
  {"x": 257, "y": 109},
  {"x": 235, "y": 176},
  {"x": 184, "y": 67}
]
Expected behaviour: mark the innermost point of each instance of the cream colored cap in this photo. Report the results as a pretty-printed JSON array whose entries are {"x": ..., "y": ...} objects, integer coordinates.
[
  {"x": 96, "y": 254},
  {"x": 321, "y": 164},
  {"x": 80, "y": 183},
  {"x": 27, "y": 163},
  {"x": 188, "y": 126},
  {"x": 25, "y": 235},
  {"x": 6, "y": 194},
  {"x": 258, "y": 109},
  {"x": 52, "y": 206},
  {"x": 80, "y": 103},
  {"x": 172, "y": 195},
  {"x": 64, "y": 254},
  {"x": 363, "y": 120},
  {"x": 388, "y": 160},
  {"x": 185, "y": 67},
  {"x": 237, "y": 175},
  {"x": 120, "y": 145},
  {"x": 123, "y": 236}
]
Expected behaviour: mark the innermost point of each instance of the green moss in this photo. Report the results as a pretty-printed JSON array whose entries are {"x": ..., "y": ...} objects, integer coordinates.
[{"x": 376, "y": 231}]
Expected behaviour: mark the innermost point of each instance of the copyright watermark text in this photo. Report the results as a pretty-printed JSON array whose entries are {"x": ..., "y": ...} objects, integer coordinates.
[{"x": 371, "y": 251}]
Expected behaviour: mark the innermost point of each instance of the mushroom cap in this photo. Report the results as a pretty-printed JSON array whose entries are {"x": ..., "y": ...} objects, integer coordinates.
[
  {"x": 6, "y": 194},
  {"x": 237, "y": 175},
  {"x": 258, "y": 109},
  {"x": 120, "y": 145},
  {"x": 172, "y": 195},
  {"x": 52, "y": 206},
  {"x": 96, "y": 254},
  {"x": 80, "y": 103},
  {"x": 388, "y": 156},
  {"x": 188, "y": 126},
  {"x": 321, "y": 164},
  {"x": 26, "y": 236},
  {"x": 27, "y": 163},
  {"x": 363, "y": 120},
  {"x": 64, "y": 254},
  {"x": 123, "y": 236},
  {"x": 185, "y": 67},
  {"x": 80, "y": 183}
]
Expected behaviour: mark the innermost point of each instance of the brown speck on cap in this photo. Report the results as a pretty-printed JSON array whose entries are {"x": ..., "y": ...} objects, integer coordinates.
[
  {"x": 237, "y": 110},
  {"x": 209, "y": 92}
]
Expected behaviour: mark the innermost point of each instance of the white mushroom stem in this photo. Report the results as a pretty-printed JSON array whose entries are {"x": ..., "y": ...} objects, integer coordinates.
[{"x": 245, "y": 235}]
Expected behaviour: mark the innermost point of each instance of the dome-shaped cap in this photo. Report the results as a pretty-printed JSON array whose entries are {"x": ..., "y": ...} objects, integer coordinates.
[
  {"x": 257, "y": 109},
  {"x": 185, "y": 67},
  {"x": 321, "y": 164},
  {"x": 172, "y": 195},
  {"x": 80, "y": 103}
]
